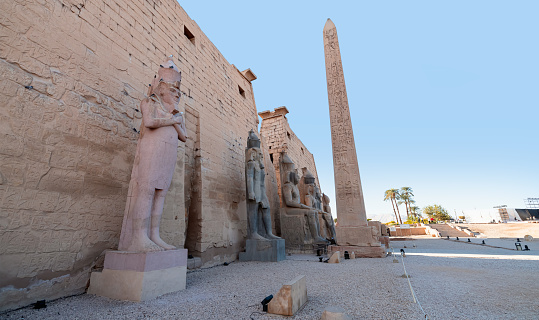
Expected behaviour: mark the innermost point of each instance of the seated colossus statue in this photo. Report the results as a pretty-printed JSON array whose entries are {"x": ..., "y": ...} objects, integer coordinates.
[{"x": 292, "y": 202}]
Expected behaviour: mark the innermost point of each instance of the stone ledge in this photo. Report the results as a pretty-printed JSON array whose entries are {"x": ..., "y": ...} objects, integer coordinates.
[{"x": 360, "y": 252}]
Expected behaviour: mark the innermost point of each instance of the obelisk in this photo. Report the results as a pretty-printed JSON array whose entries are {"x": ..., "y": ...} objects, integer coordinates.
[{"x": 352, "y": 228}]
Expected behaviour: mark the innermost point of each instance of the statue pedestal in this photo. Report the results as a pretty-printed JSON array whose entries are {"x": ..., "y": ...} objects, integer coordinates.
[
  {"x": 360, "y": 240},
  {"x": 140, "y": 276},
  {"x": 264, "y": 250}
]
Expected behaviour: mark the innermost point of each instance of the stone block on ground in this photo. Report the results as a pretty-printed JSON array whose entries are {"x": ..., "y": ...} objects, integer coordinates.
[
  {"x": 140, "y": 276},
  {"x": 291, "y": 297},
  {"x": 377, "y": 225},
  {"x": 335, "y": 257},
  {"x": 334, "y": 313},
  {"x": 384, "y": 240},
  {"x": 263, "y": 250},
  {"x": 194, "y": 263},
  {"x": 384, "y": 230}
]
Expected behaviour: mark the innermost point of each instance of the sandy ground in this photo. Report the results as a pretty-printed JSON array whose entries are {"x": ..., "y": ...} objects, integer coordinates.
[{"x": 452, "y": 280}]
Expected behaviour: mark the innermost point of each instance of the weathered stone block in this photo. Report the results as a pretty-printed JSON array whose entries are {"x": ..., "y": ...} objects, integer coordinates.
[
  {"x": 335, "y": 257},
  {"x": 291, "y": 297},
  {"x": 194, "y": 263},
  {"x": 263, "y": 250},
  {"x": 377, "y": 225},
  {"x": 357, "y": 236},
  {"x": 140, "y": 276},
  {"x": 385, "y": 240},
  {"x": 293, "y": 229}
]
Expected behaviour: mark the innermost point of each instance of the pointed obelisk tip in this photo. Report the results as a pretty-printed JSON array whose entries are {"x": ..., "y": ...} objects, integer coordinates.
[{"x": 329, "y": 25}]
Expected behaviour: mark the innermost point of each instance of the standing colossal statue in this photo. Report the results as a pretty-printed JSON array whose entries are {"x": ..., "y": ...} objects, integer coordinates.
[
  {"x": 155, "y": 159},
  {"x": 258, "y": 209}
]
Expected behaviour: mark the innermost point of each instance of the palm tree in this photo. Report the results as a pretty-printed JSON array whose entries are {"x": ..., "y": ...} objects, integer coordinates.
[
  {"x": 403, "y": 200},
  {"x": 415, "y": 210},
  {"x": 411, "y": 203},
  {"x": 406, "y": 194},
  {"x": 393, "y": 195}
]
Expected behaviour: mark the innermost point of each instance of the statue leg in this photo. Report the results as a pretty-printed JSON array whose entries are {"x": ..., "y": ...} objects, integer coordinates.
[
  {"x": 141, "y": 221},
  {"x": 331, "y": 228},
  {"x": 314, "y": 226},
  {"x": 252, "y": 215},
  {"x": 157, "y": 212},
  {"x": 266, "y": 216},
  {"x": 323, "y": 230}
]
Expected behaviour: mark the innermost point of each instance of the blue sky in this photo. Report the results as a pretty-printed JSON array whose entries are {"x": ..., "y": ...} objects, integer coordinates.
[{"x": 443, "y": 94}]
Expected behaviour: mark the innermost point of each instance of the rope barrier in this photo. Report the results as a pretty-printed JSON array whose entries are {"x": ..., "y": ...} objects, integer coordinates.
[{"x": 410, "y": 284}]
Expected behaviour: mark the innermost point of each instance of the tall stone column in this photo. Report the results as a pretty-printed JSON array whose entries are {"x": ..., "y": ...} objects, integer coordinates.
[
  {"x": 350, "y": 204},
  {"x": 352, "y": 229}
]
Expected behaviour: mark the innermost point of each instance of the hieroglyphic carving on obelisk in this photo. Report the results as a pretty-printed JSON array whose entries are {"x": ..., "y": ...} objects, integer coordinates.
[{"x": 350, "y": 204}]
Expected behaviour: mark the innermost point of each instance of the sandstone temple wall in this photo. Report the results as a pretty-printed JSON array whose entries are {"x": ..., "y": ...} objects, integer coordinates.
[
  {"x": 279, "y": 137},
  {"x": 73, "y": 75}
]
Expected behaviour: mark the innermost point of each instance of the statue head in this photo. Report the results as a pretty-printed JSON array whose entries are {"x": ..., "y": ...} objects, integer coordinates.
[
  {"x": 293, "y": 177},
  {"x": 287, "y": 166},
  {"x": 325, "y": 198},
  {"x": 252, "y": 154},
  {"x": 308, "y": 177},
  {"x": 167, "y": 82},
  {"x": 317, "y": 192},
  {"x": 252, "y": 140},
  {"x": 310, "y": 189}
]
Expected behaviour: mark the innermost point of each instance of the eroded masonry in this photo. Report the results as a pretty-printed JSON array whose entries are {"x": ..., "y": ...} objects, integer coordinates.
[{"x": 73, "y": 78}]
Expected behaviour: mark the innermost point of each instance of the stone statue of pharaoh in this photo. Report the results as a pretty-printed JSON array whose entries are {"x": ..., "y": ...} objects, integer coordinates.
[
  {"x": 312, "y": 197},
  {"x": 291, "y": 198},
  {"x": 155, "y": 159},
  {"x": 328, "y": 219},
  {"x": 258, "y": 208},
  {"x": 317, "y": 198}
]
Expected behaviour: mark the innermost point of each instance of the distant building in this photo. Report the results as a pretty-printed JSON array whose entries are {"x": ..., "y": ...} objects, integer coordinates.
[{"x": 502, "y": 214}]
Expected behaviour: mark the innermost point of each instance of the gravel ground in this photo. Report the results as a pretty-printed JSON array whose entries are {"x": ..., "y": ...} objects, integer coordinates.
[{"x": 452, "y": 280}]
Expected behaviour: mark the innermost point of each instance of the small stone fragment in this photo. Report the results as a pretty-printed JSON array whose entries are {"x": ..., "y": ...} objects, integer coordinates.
[
  {"x": 334, "y": 313},
  {"x": 335, "y": 258},
  {"x": 291, "y": 297}
]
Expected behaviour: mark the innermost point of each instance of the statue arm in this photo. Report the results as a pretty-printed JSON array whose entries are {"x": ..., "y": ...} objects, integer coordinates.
[
  {"x": 264, "y": 201},
  {"x": 249, "y": 172},
  {"x": 180, "y": 128},
  {"x": 288, "y": 199},
  {"x": 150, "y": 119}
]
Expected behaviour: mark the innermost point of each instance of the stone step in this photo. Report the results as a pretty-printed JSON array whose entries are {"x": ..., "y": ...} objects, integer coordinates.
[{"x": 446, "y": 230}]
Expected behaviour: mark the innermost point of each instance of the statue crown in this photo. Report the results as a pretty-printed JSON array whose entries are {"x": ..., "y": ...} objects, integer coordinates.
[
  {"x": 169, "y": 73},
  {"x": 308, "y": 177},
  {"x": 252, "y": 140}
]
